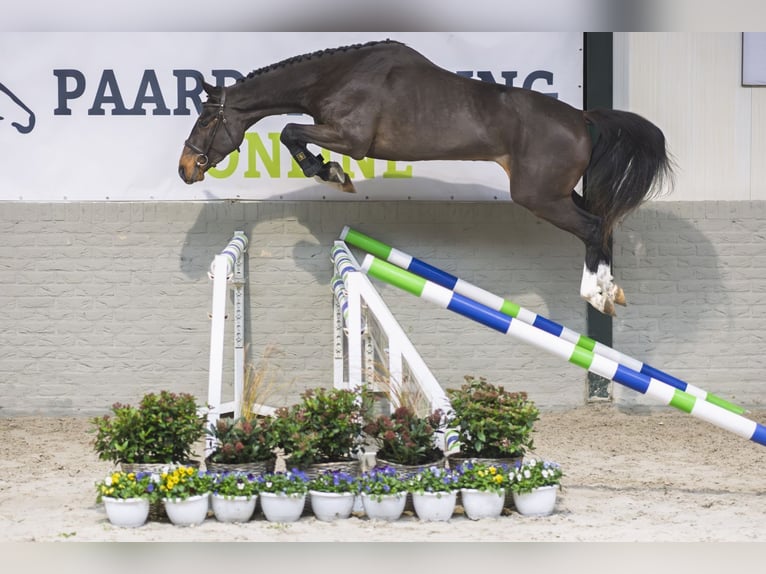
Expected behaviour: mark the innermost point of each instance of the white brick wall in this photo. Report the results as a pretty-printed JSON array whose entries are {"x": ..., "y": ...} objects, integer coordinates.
[{"x": 102, "y": 302}]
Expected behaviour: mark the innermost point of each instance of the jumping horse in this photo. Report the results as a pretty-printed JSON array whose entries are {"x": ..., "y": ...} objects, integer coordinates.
[{"x": 385, "y": 100}]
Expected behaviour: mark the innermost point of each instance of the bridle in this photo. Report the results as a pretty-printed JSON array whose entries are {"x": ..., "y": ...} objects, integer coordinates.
[{"x": 220, "y": 120}]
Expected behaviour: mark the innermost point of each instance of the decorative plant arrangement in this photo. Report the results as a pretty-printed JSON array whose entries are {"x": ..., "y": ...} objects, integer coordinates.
[
  {"x": 183, "y": 482},
  {"x": 332, "y": 495},
  {"x": 241, "y": 442},
  {"x": 292, "y": 482},
  {"x": 325, "y": 426},
  {"x": 185, "y": 493},
  {"x": 162, "y": 429},
  {"x": 384, "y": 493},
  {"x": 335, "y": 481},
  {"x": 383, "y": 481},
  {"x": 434, "y": 479},
  {"x": 124, "y": 485},
  {"x": 127, "y": 497},
  {"x": 491, "y": 422},
  {"x": 482, "y": 489},
  {"x": 534, "y": 485},
  {"x": 405, "y": 438},
  {"x": 234, "y": 495},
  {"x": 434, "y": 493},
  {"x": 533, "y": 474},
  {"x": 480, "y": 476},
  {"x": 234, "y": 484},
  {"x": 283, "y": 495}
]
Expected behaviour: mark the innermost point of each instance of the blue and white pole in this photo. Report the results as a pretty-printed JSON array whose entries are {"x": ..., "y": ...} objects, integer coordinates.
[
  {"x": 567, "y": 350},
  {"x": 444, "y": 279}
]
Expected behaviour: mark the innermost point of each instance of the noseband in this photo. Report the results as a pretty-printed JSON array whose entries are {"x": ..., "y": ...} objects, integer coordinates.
[{"x": 220, "y": 120}]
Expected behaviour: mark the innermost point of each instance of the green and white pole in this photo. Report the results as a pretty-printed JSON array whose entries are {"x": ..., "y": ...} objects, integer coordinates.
[
  {"x": 440, "y": 277},
  {"x": 587, "y": 359}
]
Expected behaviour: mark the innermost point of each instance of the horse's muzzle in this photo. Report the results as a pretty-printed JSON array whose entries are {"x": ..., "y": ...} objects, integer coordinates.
[{"x": 188, "y": 170}]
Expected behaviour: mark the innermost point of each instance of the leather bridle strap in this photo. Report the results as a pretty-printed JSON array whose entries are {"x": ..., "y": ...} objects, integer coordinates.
[{"x": 202, "y": 154}]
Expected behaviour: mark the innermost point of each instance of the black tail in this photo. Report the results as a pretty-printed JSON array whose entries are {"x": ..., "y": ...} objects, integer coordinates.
[{"x": 628, "y": 164}]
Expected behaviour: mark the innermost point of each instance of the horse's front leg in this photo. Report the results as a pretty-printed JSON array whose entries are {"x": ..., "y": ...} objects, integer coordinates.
[{"x": 296, "y": 137}]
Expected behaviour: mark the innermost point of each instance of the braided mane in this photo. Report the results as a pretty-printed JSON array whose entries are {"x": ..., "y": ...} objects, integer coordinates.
[{"x": 312, "y": 55}]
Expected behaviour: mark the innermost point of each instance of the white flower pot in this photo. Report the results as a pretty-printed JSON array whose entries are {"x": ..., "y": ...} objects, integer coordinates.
[
  {"x": 126, "y": 512},
  {"x": 539, "y": 502},
  {"x": 329, "y": 506},
  {"x": 434, "y": 506},
  {"x": 389, "y": 507},
  {"x": 479, "y": 504},
  {"x": 187, "y": 512},
  {"x": 233, "y": 508},
  {"x": 280, "y": 507}
]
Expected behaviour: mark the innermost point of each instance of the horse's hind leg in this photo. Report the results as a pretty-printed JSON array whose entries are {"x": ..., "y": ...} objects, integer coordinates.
[{"x": 562, "y": 210}]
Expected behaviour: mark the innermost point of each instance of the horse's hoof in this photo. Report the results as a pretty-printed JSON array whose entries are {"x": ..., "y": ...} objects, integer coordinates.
[
  {"x": 347, "y": 186},
  {"x": 619, "y": 297},
  {"x": 608, "y": 309}
]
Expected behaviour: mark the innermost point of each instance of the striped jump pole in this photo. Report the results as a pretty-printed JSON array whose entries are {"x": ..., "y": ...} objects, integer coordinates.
[
  {"x": 573, "y": 353},
  {"x": 444, "y": 279}
]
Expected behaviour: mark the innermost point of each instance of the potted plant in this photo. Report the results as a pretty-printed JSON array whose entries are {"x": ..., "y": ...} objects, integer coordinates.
[
  {"x": 534, "y": 485},
  {"x": 434, "y": 493},
  {"x": 332, "y": 495},
  {"x": 283, "y": 495},
  {"x": 126, "y": 497},
  {"x": 185, "y": 493},
  {"x": 493, "y": 425},
  {"x": 234, "y": 495},
  {"x": 324, "y": 430},
  {"x": 384, "y": 493},
  {"x": 161, "y": 430},
  {"x": 482, "y": 489},
  {"x": 404, "y": 439},
  {"x": 242, "y": 445}
]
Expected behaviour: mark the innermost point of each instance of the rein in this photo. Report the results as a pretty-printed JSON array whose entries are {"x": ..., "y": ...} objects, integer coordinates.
[{"x": 220, "y": 120}]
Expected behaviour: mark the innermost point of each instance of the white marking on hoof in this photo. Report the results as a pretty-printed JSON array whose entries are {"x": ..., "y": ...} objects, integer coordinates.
[{"x": 598, "y": 289}]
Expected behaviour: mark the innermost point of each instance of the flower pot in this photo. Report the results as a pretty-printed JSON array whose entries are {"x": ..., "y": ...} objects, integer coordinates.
[
  {"x": 434, "y": 506},
  {"x": 329, "y": 506},
  {"x": 187, "y": 511},
  {"x": 281, "y": 507},
  {"x": 233, "y": 508},
  {"x": 126, "y": 512},
  {"x": 390, "y": 506},
  {"x": 539, "y": 502},
  {"x": 479, "y": 504}
]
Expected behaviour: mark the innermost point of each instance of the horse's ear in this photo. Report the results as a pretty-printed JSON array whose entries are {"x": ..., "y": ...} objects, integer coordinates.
[{"x": 209, "y": 89}]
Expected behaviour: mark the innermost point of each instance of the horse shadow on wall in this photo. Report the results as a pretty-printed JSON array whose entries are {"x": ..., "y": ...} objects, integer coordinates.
[{"x": 533, "y": 263}]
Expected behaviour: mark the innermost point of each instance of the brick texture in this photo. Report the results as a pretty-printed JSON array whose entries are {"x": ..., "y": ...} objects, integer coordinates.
[{"x": 103, "y": 302}]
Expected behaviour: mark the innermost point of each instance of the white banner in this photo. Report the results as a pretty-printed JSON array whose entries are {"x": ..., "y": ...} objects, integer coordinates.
[{"x": 103, "y": 116}]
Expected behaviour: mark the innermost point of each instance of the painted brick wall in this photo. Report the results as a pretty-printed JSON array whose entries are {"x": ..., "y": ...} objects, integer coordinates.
[{"x": 103, "y": 302}]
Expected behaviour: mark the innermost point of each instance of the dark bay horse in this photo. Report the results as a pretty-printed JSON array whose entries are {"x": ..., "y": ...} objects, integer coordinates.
[{"x": 385, "y": 100}]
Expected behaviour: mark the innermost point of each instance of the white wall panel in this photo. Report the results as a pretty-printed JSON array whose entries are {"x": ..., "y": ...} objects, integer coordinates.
[{"x": 689, "y": 84}]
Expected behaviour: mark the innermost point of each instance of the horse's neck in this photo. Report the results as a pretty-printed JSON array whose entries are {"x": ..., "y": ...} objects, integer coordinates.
[{"x": 281, "y": 91}]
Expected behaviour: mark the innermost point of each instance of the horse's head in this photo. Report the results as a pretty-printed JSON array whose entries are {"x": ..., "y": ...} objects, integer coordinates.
[{"x": 217, "y": 133}]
